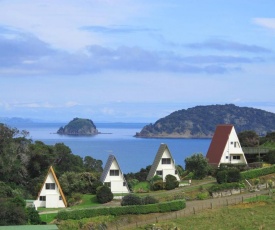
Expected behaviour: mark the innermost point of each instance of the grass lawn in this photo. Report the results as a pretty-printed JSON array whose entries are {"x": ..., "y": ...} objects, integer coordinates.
[{"x": 255, "y": 215}]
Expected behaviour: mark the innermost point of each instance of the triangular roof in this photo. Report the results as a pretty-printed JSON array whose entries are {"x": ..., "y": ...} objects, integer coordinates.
[
  {"x": 158, "y": 157},
  {"x": 107, "y": 167},
  {"x": 218, "y": 143},
  {"x": 57, "y": 183}
]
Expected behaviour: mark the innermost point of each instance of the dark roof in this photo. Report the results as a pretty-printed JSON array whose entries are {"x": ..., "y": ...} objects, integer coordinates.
[
  {"x": 158, "y": 156},
  {"x": 218, "y": 144},
  {"x": 107, "y": 167}
]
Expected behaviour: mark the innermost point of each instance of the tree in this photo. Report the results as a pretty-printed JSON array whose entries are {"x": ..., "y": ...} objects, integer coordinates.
[
  {"x": 248, "y": 138},
  {"x": 228, "y": 175},
  {"x": 104, "y": 194},
  {"x": 197, "y": 164},
  {"x": 171, "y": 182},
  {"x": 92, "y": 164}
]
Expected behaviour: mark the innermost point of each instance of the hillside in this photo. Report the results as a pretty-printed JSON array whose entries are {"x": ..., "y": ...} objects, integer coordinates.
[
  {"x": 79, "y": 126},
  {"x": 201, "y": 121}
]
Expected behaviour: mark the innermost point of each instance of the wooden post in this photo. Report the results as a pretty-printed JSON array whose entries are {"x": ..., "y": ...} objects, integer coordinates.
[
  {"x": 194, "y": 210},
  {"x": 211, "y": 205}
]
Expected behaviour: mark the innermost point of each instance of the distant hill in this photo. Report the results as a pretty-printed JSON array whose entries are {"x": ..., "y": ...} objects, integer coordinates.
[
  {"x": 79, "y": 126},
  {"x": 201, "y": 122}
]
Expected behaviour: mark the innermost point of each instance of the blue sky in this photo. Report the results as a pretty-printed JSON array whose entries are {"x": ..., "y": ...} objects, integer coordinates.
[{"x": 134, "y": 61}]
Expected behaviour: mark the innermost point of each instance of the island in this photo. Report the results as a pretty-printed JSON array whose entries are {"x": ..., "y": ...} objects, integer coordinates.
[
  {"x": 201, "y": 122},
  {"x": 80, "y": 127}
]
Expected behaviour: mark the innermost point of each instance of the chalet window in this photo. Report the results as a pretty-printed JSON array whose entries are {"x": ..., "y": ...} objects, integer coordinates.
[
  {"x": 226, "y": 157},
  {"x": 124, "y": 183},
  {"x": 159, "y": 172},
  {"x": 60, "y": 198},
  {"x": 176, "y": 172},
  {"x": 114, "y": 172},
  {"x": 42, "y": 198},
  {"x": 108, "y": 184},
  {"x": 50, "y": 186},
  {"x": 166, "y": 161},
  {"x": 236, "y": 144},
  {"x": 231, "y": 142},
  {"x": 236, "y": 157}
]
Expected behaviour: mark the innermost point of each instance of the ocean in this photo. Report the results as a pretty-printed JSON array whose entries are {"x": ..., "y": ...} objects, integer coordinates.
[{"x": 117, "y": 139}]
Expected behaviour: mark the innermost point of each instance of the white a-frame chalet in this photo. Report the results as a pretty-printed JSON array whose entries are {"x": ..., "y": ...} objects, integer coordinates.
[
  {"x": 113, "y": 177},
  {"x": 164, "y": 164},
  {"x": 51, "y": 194},
  {"x": 225, "y": 147}
]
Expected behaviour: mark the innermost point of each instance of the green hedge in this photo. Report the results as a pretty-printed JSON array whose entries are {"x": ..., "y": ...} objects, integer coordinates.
[
  {"x": 225, "y": 186},
  {"x": 254, "y": 173},
  {"x": 122, "y": 210}
]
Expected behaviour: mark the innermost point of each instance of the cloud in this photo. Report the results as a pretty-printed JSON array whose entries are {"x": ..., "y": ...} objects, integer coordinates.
[
  {"x": 222, "y": 45},
  {"x": 114, "y": 29},
  {"x": 24, "y": 54},
  {"x": 268, "y": 23},
  {"x": 17, "y": 47}
]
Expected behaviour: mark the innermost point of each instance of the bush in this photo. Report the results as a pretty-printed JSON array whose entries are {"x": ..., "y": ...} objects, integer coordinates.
[
  {"x": 131, "y": 199},
  {"x": 171, "y": 182},
  {"x": 255, "y": 173},
  {"x": 225, "y": 186},
  {"x": 122, "y": 210},
  {"x": 74, "y": 199},
  {"x": 159, "y": 185},
  {"x": 228, "y": 175},
  {"x": 33, "y": 216},
  {"x": 95, "y": 185},
  {"x": 149, "y": 200},
  {"x": 104, "y": 194}
]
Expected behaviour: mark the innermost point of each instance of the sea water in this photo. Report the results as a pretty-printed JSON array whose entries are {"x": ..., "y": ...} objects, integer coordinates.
[{"x": 117, "y": 139}]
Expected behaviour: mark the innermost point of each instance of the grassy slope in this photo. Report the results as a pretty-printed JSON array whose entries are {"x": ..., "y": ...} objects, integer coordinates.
[{"x": 255, "y": 215}]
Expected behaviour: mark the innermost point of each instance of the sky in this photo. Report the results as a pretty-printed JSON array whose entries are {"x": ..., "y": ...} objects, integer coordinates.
[{"x": 134, "y": 60}]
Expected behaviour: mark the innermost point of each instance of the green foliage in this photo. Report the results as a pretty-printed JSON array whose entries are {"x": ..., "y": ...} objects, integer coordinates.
[
  {"x": 95, "y": 185},
  {"x": 140, "y": 176},
  {"x": 33, "y": 216},
  {"x": 203, "y": 195},
  {"x": 74, "y": 199},
  {"x": 79, "y": 126},
  {"x": 197, "y": 164},
  {"x": 131, "y": 199},
  {"x": 225, "y": 186},
  {"x": 255, "y": 173},
  {"x": 270, "y": 157},
  {"x": 123, "y": 210},
  {"x": 149, "y": 200},
  {"x": 248, "y": 138},
  {"x": 158, "y": 185},
  {"x": 206, "y": 118},
  {"x": 91, "y": 164},
  {"x": 104, "y": 194},
  {"x": 12, "y": 213},
  {"x": 171, "y": 182},
  {"x": 228, "y": 175}
]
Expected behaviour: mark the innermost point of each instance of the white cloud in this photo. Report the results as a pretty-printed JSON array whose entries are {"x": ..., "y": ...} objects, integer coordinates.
[{"x": 268, "y": 23}]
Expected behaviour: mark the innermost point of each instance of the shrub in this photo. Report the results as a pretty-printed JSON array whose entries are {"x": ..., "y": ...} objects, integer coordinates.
[
  {"x": 171, "y": 182},
  {"x": 159, "y": 185},
  {"x": 74, "y": 199},
  {"x": 104, "y": 194},
  {"x": 203, "y": 195},
  {"x": 33, "y": 216},
  {"x": 95, "y": 185},
  {"x": 122, "y": 210},
  {"x": 131, "y": 199},
  {"x": 228, "y": 175},
  {"x": 149, "y": 200},
  {"x": 254, "y": 173}
]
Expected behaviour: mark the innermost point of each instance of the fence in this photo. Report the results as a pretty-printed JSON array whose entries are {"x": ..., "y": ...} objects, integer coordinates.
[{"x": 192, "y": 208}]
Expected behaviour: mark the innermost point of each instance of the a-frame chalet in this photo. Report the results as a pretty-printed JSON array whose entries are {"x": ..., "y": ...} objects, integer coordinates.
[
  {"x": 113, "y": 177},
  {"x": 225, "y": 147},
  {"x": 51, "y": 194},
  {"x": 163, "y": 164}
]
